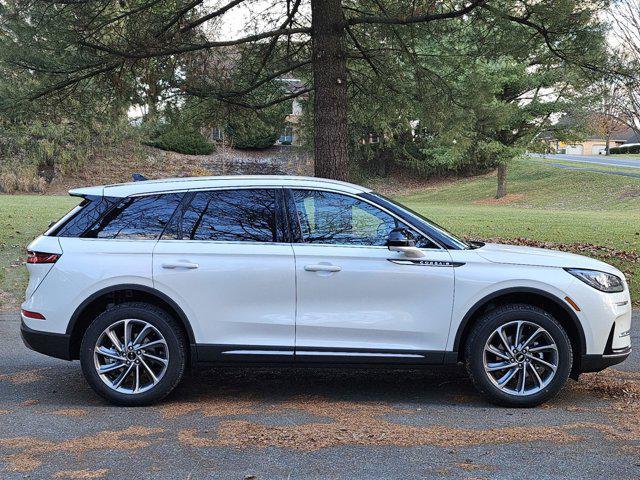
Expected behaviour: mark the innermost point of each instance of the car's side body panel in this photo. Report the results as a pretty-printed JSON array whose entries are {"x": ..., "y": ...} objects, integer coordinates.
[
  {"x": 372, "y": 302},
  {"x": 86, "y": 266},
  {"x": 480, "y": 279},
  {"x": 239, "y": 294}
]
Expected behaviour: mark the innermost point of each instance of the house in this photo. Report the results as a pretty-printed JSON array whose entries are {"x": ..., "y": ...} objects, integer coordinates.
[
  {"x": 220, "y": 65},
  {"x": 291, "y": 131},
  {"x": 595, "y": 134},
  {"x": 292, "y": 122},
  {"x": 597, "y": 145}
]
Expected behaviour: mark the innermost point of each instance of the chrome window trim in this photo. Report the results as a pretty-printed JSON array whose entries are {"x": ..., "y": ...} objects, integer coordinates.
[
  {"x": 286, "y": 187},
  {"x": 227, "y": 242}
]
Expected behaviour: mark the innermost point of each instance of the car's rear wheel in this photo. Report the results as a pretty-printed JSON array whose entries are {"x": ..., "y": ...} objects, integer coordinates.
[
  {"x": 518, "y": 355},
  {"x": 133, "y": 354}
]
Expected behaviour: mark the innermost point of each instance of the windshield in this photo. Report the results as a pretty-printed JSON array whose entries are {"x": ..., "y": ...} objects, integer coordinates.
[{"x": 428, "y": 226}]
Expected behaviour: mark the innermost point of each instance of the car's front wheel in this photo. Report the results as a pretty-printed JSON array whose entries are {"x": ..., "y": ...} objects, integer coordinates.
[
  {"x": 133, "y": 354},
  {"x": 518, "y": 355}
]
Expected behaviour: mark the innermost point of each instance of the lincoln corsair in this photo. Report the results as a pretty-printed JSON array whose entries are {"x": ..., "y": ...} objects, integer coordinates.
[{"x": 143, "y": 280}]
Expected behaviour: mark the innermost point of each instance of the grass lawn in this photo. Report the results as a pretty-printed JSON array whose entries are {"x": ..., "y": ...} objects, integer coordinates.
[
  {"x": 22, "y": 218},
  {"x": 586, "y": 165},
  {"x": 625, "y": 155},
  {"x": 578, "y": 211}
]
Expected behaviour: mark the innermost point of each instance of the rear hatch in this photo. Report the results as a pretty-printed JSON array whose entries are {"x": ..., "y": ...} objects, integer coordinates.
[{"x": 45, "y": 250}]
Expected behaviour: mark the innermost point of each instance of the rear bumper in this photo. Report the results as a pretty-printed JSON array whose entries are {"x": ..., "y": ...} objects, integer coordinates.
[
  {"x": 596, "y": 363},
  {"x": 51, "y": 344}
]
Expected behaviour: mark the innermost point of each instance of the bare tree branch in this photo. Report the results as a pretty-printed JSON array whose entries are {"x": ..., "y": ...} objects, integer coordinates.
[
  {"x": 214, "y": 14},
  {"x": 196, "y": 46},
  {"x": 75, "y": 80}
]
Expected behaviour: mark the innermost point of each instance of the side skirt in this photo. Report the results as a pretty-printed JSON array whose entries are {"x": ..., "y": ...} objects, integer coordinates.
[{"x": 207, "y": 354}]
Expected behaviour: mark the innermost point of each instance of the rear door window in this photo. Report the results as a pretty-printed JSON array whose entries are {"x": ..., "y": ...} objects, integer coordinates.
[
  {"x": 137, "y": 218},
  {"x": 244, "y": 215}
]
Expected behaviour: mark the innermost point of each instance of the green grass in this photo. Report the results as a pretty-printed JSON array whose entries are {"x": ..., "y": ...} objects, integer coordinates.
[
  {"x": 545, "y": 204},
  {"x": 613, "y": 229},
  {"x": 537, "y": 185},
  {"x": 625, "y": 155},
  {"x": 22, "y": 218},
  {"x": 586, "y": 165}
]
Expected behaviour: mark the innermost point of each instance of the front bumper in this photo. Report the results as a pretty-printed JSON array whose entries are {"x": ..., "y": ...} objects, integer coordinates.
[
  {"x": 596, "y": 363},
  {"x": 52, "y": 344}
]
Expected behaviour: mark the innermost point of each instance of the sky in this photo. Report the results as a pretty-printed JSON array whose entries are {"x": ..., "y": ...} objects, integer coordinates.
[
  {"x": 250, "y": 13},
  {"x": 235, "y": 21}
]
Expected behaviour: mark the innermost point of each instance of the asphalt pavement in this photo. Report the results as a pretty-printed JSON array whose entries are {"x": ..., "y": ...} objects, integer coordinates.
[
  {"x": 627, "y": 162},
  {"x": 311, "y": 423}
]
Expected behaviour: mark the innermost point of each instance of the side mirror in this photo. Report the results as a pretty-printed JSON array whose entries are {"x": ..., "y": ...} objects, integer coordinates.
[
  {"x": 399, "y": 237},
  {"x": 399, "y": 240}
]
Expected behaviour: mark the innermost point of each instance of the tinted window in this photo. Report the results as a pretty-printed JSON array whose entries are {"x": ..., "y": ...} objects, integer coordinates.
[
  {"x": 332, "y": 218},
  {"x": 431, "y": 228},
  {"x": 141, "y": 218},
  {"x": 86, "y": 214},
  {"x": 231, "y": 216}
]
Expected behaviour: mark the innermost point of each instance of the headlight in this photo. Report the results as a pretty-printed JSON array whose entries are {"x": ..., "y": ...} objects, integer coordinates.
[{"x": 605, "y": 282}]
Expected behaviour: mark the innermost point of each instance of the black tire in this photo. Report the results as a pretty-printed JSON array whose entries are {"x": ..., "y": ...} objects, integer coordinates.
[
  {"x": 169, "y": 329},
  {"x": 487, "y": 324}
]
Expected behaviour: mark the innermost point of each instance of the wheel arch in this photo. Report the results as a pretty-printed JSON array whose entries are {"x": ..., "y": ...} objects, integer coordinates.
[
  {"x": 532, "y": 296},
  {"x": 116, "y": 294}
]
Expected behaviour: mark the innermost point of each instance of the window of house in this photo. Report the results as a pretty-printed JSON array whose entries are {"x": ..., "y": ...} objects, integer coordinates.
[
  {"x": 287, "y": 136},
  {"x": 137, "y": 218},
  {"x": 230, "y": 216},
  {"x": 336, "y": 219},
  {"x": 217, "y": 134}
]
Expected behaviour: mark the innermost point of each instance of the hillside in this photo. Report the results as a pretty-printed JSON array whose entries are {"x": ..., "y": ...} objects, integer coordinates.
[{"x": 118, "y": 166}]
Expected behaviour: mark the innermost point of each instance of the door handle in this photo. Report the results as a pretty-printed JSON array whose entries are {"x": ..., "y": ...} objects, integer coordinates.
[
  {"x": 322, "y": 268},
  {"x": 174, "y": 265}
]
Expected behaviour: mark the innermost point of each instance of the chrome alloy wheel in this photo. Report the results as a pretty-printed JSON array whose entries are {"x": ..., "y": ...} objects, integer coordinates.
[
  {"x": 520, "y": 358},
  {"x": 131, "y": 356}
]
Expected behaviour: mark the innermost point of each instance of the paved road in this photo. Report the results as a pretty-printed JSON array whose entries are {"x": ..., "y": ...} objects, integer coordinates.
[
  {"x": 595, "y": 159},
  {"x": 291, "y": 424}
]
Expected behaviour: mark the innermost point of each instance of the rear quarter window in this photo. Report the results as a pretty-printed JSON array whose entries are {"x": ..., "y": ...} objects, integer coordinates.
[
  {"x": 82, "y": 217},
  {"x": 136, "y": 218}
]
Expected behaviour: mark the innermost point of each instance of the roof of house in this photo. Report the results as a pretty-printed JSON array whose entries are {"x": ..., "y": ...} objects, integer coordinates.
[
  {"x": 204, "y": 183},
  {"x": 292, "y": 85},
  {"x": 620, "y": 131},
  {"x": 631, "y": 136}
]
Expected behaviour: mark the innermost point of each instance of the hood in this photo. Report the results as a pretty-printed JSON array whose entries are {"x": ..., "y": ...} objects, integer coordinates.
[{"x": 516, "y": 255}]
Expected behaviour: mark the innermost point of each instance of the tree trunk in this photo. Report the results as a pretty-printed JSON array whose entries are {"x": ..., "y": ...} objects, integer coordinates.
[
  {"x": 502, "y": 180},
  {"x": 329, "y": 65},
  {"x": 607, "y": 145}
]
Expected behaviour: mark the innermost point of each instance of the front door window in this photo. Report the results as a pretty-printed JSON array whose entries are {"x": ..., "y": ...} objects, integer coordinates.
[{"x": 337, "y": 219}]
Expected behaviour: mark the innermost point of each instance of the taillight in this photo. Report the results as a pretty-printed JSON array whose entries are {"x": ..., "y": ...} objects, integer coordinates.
[{"x": 42, "y": 257}]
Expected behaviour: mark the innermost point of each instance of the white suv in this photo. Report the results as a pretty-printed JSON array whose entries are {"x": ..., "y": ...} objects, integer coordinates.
[{"x": 144, "y": 279}]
